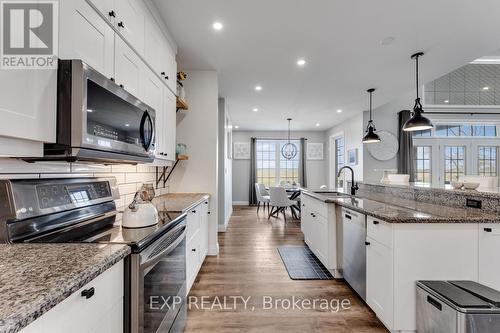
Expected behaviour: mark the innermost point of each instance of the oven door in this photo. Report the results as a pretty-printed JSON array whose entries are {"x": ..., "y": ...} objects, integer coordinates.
[
  {"x": 158, "y": 300},
  {"x": 113, "y": 119}
]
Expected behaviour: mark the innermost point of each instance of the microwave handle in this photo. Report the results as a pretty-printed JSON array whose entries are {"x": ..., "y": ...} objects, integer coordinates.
[{"x": 146, "y": 141}]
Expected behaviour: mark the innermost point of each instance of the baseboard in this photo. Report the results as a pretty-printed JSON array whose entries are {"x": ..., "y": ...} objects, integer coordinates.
[
  {"x": 213, "y": 251},
  {"x": 240, "y": 203}
]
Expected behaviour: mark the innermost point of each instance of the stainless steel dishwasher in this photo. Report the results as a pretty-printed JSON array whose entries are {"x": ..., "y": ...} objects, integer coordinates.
[{"x": 354, "y": 250}]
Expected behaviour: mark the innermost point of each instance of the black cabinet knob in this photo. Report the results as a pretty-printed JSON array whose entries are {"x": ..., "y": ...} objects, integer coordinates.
[
  {"x": 348, "y": 216},
  {"x": 367, "y": 243},
  {"x": 194, "y": 250},
  {"x": 166, "y": 77},
  {"x": 162, "y": 73},
  {"x": 121, "y": 85},
  {"x": 112, "y": 79},
  {"x": 376, "y": 222},
  {"x": 88, "y": 293},
  {"x": 112, "y": 13},
  {"x": 121, "y": 25},
  {"x": 194, "y": 212},
  {"x": 488, "y": 229}
]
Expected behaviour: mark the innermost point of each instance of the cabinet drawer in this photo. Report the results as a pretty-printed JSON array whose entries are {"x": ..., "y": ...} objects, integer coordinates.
[
  {"x": 192, "y": 259},
  {"x": 315, "y": 206},
  {"x": 79, "y": 314},
  {"x": 379, "y": 230}
]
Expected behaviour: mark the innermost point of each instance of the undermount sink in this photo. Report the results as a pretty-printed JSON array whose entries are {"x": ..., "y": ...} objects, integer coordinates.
[{"x": 332, "y": 194}]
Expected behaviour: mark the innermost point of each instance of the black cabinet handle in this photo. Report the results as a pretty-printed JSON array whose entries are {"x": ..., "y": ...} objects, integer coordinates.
[
  {"x": 162, "y": 73},
  {"x": 194, "y": 212},
  {"x": 206, "y": 202},
  {"x": 194, "y": 250},
  {"x": 121, "y": 25},
  {"x": 348, "y": 216},
  {"x": 112, "y": 13},
  {"x": 166, "y": 77},
  {"x": 376, "y": 222},
  {"x": 367, "y": 243},
  {"x": 122, "y": 86},
  {"x": 112, "y": 79},
  {"x": 488, "y": 229},
  {"x": 88, "y": 293}
]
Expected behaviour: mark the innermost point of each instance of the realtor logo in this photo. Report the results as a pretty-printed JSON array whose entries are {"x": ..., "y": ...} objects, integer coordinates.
[{"x": 29, "y": 34}]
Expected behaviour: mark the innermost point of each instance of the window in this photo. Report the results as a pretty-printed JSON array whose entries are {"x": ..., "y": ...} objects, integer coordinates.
[
  {"x": 454, "y": 163},
  {"x": 272, "y": 167},
  {"x": 466, "y": 130},
  {"x": 487, "y": 158},
  {"x": 423, "y": 164},
  {"x": 425, "y": 133},
  {"x": 339, "y": 159}
]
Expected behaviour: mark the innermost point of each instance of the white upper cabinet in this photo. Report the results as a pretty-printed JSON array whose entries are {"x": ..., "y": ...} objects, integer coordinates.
[
  {"x": 169, "y": 127},
  {"x": 85, "y": 35},
  {"x": 106, "y": 7},
  {"x": 130, "y": 18},
  {"x": 128, "y": 67}
]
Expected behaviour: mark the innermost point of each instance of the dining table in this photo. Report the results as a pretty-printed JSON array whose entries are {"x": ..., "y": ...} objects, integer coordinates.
[{"x": 294, "y": 194}]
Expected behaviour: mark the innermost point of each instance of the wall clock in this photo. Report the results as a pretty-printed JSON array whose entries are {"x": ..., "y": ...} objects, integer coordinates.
[{"x": 386, "y": 149}]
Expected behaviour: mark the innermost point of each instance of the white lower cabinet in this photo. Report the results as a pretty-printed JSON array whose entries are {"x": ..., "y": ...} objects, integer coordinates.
[
  {"x": 197, "y": 240},
  {"x": 379, "y": 281},
  {"x": 103, "y": 312},
  {"x": 318, "y": 224},
  {"x": 489, "y": 249}
]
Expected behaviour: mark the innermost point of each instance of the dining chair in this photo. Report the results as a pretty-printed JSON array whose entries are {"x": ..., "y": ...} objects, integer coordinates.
[
  {"x": 279, "y": 201},
  {"x": 262, "y": 196}
]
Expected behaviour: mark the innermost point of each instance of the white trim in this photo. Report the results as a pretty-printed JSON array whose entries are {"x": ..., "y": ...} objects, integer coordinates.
[
  {"x": 331, "y": 160},
  {"x": 241, "y": 203},
  {"x": 222, "y": 228}
]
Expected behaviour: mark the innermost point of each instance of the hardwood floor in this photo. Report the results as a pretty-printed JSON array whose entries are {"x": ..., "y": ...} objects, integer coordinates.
[{"x": 249, "y": 265}]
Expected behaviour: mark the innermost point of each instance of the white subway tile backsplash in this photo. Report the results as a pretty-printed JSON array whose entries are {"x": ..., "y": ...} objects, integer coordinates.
[
  {"x": 145, "y": 168},
  {"x": 66, "y": 175},
  {"x": 120, "y": 177},
  {"x": 127, "y": 189},
  {"x": 10, "y": 165},
  {"x": 123, "y": 168},
  {"x": 19, "y": 176},
  {"x": 87, "y": 168},
  {"x": 140, "y": 177}
]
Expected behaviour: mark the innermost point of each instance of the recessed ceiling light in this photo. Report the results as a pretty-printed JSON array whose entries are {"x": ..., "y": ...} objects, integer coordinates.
[
  {"x": 301, "y": 62},
  {"x": 258, "y": 88},
  {"x": 255, "y": 109},
  {"x": 387, "y": 40},
  {"x": 339, "y": 110},
  {"x": 446, "y": 101},
  {"x": 486, "y": 88},
  {"x": 236, "y": 127},
  {"x": 217, "y": 26},
  {"x": 127, "y": 125},
  {"x": 318, "y": 125}
]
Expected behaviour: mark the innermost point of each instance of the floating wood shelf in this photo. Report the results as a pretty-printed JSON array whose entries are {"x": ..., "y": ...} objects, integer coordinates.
[
  {"x": 181, "y": 104},
  {"x": 164, "y": 173},
  {"x": 182, "y": 157}
]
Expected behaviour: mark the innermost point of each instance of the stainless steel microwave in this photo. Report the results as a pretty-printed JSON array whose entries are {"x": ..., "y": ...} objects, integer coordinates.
[{"x": 98, "y": 120}]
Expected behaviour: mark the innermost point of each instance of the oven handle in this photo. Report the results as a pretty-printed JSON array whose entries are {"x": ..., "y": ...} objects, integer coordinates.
[{"x": 152, "y": 261}]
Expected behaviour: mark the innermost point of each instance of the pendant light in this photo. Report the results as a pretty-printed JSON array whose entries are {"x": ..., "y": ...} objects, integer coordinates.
[
  {"x": 371, "y": 136},
  {"x": 289, "y": 149},
  {"x": 417, "y": 122}
]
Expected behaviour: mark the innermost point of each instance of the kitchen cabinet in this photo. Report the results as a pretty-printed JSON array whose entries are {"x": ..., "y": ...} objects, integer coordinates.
[
  {"x": 130, "y": 18},
  {"x": 103, "y": 312},
  {"x": 489, "y": 248},
  {"x": 197, "y": 240},
  {"x": 169, "y": 125},
  {"x": 318, "y": 224},
  {"x": 128, "y": 67},
  {"x": 83, "y": 34}
]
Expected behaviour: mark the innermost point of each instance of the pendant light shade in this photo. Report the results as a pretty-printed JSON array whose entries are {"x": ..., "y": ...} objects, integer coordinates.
[
  {"x": 289, "y": 149},
  {"x": 417, "y": 122},
  {"x": 371, "y": 136}
]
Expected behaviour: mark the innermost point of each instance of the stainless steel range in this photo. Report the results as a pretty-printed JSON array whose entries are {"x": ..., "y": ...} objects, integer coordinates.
[{"x": 84, "y": 210}]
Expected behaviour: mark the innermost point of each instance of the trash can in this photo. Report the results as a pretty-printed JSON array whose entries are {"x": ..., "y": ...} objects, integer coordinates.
[{"x": 457, "y": 307}]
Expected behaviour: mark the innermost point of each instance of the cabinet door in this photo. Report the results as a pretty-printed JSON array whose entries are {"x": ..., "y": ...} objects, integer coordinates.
[
  {"x": 130, "y": 18},
  {"x": 379, "y": 281},
  {"x": 105, "y": 7},
  {"x": 152, "y": 94},
  {"x": 192, "y": 259},
  {"x": 170, "y": 125},
  {"x": 489, "y": 247},
  {"x": 204, "y": 230},
  {"x": 28, "y": 104},
  {"x": 171, "y": 64},
  {"x": 155, "y": 48},
  {"x": 321, "y": 237},
  {"x": 128, "y": 67},
  {"x": 83, "y": 34}
]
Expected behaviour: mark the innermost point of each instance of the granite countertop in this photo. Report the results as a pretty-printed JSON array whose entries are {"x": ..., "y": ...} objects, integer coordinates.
[
  {"x": 36, "y": 277},
  {"x": 179, "y": 202},
  {"x": 396, "y": 210}
]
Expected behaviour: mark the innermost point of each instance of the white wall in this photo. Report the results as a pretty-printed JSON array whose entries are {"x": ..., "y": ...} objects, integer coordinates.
[
  {"x": 225, "y": 167},
  {"x": 199, "y": 131},
  {"x": 315, "y": 169},
  {"x": 385, "y": 118},
  {"x": 353, "y": 131}
]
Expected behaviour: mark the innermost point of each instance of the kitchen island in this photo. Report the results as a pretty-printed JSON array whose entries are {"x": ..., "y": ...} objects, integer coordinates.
[{"x": 402, "y": 241}]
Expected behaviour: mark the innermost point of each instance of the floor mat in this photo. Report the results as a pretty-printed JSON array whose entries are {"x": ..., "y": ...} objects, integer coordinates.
[{"x": 302, "y": 264}]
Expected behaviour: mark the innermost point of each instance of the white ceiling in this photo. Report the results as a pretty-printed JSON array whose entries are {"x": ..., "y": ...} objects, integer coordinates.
[{"x": 341, "y": 41}]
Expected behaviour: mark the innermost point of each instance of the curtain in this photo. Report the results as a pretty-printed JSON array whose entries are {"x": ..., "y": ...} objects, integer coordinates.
[
  {"x": 302, "y": 163},
  {"x": 252, "y": 196},
  {"x": 405, "y": 155}
]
